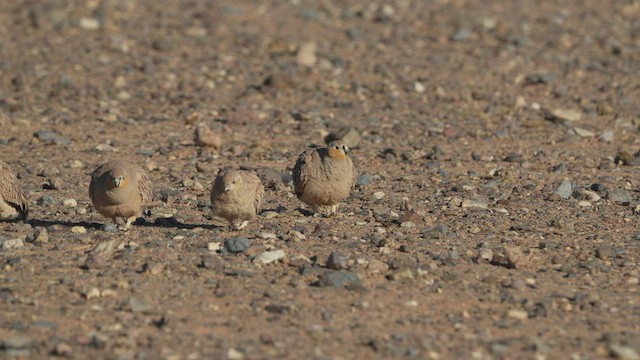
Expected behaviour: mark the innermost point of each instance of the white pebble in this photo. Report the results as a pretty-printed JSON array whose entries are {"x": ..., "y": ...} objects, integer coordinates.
[
  {"x": 78, "y": 230},
  {"x": 70, "y": 202},
  {"x": 378, "y": 195}
]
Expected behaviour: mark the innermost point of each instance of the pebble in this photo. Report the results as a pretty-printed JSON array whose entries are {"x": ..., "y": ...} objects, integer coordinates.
[
  {"x": 584, "y": 132},
  {"x": 377, "y": 266},
  {"x": 619, "y": 196},
  {"x": 566, "y": 115},
  {"x": 363, "y": 180},
  {"x": 138, "y": 305},
  {"x": 474, "y": 203},
  {"x": 339, "y": 279},
  {"x": 233, "y": 354},
  {"x": 378, "y": 195},
  {"x": 70, "y": 202},
  {"x": 419, "y": 87},
  {"x": 485, "y": 254},
  {"x": 269, "y": 214},
  {"x": 214, "y": 246},
  {"x": 624, "y": 352},
  {"x": 336, "y": 261},
  {"x": 87, "y": 23},
  {"x": 268, "y": 257},
  {"x": 78, "y": 230},
  {"x": 109, "y": 227},
  {"x": 94, "y": 292},
  {"x": 16, "y": 342},
  {"x": 204, "y": 136},
  {"x": 518, "y": 314},
  {"x": 306, "y": 55},
  {"x": 564, "y": 190},
  {"x": 266, "y": 235},
  {"x": 236, "y": 244},
  {"x": 604, "y": 252},
  {"x": 47, "y": 136},
  {"x": 62, "y": 349},
  {"x": 461, "y": 34},
  {"x": 40, "y": 236},
  {"x": 606, "y": 136},
  {"x": 405, "y": 274},
  {"x": 45, "y": 200},
  {"x": 12, "y": 243}
]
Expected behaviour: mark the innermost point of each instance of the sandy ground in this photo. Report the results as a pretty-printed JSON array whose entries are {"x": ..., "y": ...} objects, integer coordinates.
[{"x": 494, "y": 215}]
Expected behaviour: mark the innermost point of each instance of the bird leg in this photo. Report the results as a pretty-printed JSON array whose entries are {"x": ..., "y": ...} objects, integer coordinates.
[
  {"x": 130, "y": 221},
  {"x": 334, "y": 209},
  {"x": 240, "y": 226}
]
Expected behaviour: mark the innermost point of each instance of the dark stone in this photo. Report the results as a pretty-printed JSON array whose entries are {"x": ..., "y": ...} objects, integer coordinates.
[{"x": 236, "y": 244}]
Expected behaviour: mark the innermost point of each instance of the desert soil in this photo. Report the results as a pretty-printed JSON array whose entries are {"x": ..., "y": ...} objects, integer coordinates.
[{"x": 494, "y": 215}]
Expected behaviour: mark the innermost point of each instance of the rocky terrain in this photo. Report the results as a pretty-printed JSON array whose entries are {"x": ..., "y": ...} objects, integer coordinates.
[{"x": 494, "y": 215}]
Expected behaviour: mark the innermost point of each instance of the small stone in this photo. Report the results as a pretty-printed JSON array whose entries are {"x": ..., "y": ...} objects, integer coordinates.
[
  {"x": 339, "y": 279},
  {"x": 12, "y": 243},
  {"x": 377, "y": 266},
  {"x": 400, "y": 275},
  {"x": 378, "y": 195},
  {"x": 203, "y": 136},
  {"x": 485, "y": 254},
  {"x": 461, "y": 34},
  {"x": 518, "y": 314},
  {"x": 619, "y": 196},
  {"x": 138, "y": 305},
  {"x": 54, "y": 183},
  {"x": 212, "y": 262},
  {"x": 70, "y": 202},
  {"x": 109, "y": 227},
  {"x": 566, "y": 115},
  {"x": 62, "y": 349},
  {"x": 214, "y": 246},
  {"x": 236, "y": 244},
  {"x": 363, "y": 180},
  {"x": 233, "y": 354},
  {"x": 89, "y": 23},
  {"x": 623, "y": 352},
  {"x": 78, "y": 230},
  {"x": 515, "y": 257},
  {"x": 419, "y": 87},
  {"x": 268, "y": 257},
  {"x": 269, "y": 214},
  {"x": 474, "y": 203},
  {"x": 564, "y": 190},
  {"x": 336, "y": 261},
  {"x": 40, "y": 236},
  {"x": 266, "y": 235},
  {"x": 46, "y": 136},
  {"x": 16, "y": 342},
  {"x": 45, "y": 200},
  {"x": 584, "y": 132},
  {"x": 604, "y": 252},
  {"x": 93, "y": 293},
  {"x": 306, "y": 55},
  {"x": 606, "y": 136}
]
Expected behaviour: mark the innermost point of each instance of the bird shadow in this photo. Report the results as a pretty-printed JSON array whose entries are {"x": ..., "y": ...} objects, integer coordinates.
[{"x": 158, "y": 223}]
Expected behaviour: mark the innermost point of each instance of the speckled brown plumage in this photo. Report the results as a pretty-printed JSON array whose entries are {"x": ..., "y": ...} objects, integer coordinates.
[
  {"x": 324, "y": 177},
  {"x": 236, "y": 196},
  {"x": 13, "y": 203},
  {"x": 120, "y": 189}
]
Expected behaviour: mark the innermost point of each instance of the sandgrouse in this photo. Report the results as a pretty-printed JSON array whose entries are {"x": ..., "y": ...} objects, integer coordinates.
[
  {"x": 13, "y": 204},
  {"x": 323, "y": 177},
  {"x": 236, "y": 196},
  {"x": 120, "y": 189}
]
